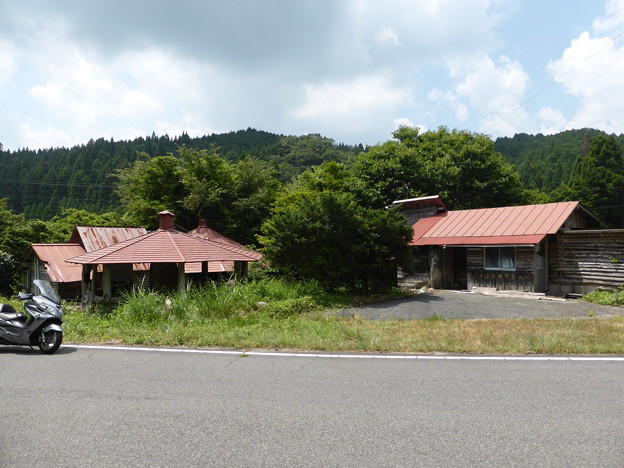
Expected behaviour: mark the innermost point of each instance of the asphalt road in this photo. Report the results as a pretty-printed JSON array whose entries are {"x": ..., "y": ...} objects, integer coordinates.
[
  {"x": 458, "y": 305},
  {"x": 110, "y": 408}
]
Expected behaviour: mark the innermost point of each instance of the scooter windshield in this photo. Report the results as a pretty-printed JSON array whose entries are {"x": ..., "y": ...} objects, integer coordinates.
[{"x": 47, "y": 291}]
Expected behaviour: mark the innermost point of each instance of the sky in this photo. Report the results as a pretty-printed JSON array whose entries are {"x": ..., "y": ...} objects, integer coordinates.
[{"x": 350, "y": 70}]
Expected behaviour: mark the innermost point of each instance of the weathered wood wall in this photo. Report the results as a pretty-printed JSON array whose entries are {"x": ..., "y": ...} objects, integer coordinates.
[
  {"x": 581, "y": 261},
  {"x": 520, "y": 280},
  {"x": 414, "y": 214},
  {"x": 35, "y": 268}
]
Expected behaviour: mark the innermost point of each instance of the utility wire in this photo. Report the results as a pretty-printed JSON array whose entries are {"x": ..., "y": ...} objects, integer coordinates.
[{"x": 554, "y": 82}]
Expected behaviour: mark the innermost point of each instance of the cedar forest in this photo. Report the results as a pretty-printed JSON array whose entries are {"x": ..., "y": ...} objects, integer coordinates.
[{"x": 316, "y": 209}]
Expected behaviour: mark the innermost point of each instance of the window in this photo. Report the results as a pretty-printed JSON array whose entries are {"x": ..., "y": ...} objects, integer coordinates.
[{"x": 500, "y": 258}]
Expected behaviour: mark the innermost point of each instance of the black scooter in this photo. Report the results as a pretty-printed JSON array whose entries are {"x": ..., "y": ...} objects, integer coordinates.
[{"x": 40, "y": 324}]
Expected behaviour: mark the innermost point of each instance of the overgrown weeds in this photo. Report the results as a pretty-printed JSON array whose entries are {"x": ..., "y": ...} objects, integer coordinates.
[
  {"x": 275, "y": 314},
  {"x": 612, "y": 298}
]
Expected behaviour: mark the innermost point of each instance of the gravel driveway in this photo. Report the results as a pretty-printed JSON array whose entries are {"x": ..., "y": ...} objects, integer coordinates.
[{"x": 462, "y": 305}]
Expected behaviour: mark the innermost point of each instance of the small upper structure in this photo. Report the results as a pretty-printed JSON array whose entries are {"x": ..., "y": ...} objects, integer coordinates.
[{"x": 424, "y": 207}]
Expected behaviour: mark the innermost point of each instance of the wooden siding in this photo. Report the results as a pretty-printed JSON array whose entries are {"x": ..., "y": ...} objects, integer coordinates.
[
  {"x": 414, "y": 214},
  {"x": 521, "y": 279},
  {"x": 582, "y": 261}
]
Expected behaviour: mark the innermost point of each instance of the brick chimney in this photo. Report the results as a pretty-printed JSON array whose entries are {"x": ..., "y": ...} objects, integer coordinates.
[
  {"x": 166, "y": 220},
  {"x": 202, "y": 223}
]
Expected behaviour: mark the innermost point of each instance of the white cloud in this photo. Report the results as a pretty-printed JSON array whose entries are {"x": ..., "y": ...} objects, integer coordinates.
[
  {"x": 494, "y": 88},
  {"x": 492, "y": 91},
  {"x": 387, "y": 34},
  {"x": 403, "y": 122},
  {"x": 364, "y": 94},
  {"x": 551, "y": 120},
  {"x": 7, "y": 64},
  {"x": 591, "y": 69},
  {"x": 614, "y": 18}
]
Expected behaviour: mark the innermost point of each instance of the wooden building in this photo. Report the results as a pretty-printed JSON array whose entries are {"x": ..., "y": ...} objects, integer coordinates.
[
  {"x": 167, "y": 251},
  {"x": 47, "y": 261},
  {"x": 556, "y": 248}
]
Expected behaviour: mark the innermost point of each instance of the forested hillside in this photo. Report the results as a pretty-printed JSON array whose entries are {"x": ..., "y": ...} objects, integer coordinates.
[
  {"x": 316, "y": 208},
  {"x": 39, "y": 184},
  {"x": 544, "y": 162}
]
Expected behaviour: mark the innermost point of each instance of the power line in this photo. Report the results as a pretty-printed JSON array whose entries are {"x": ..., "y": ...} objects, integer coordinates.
[
  {"x": 554, "y": 82},
  {"x": 57, "y": 184}
]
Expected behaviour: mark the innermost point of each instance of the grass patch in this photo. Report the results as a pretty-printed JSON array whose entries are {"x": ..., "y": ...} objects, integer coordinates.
[
  {"x": 273, "y": 314},
  {"x": 612, "y": 298}
]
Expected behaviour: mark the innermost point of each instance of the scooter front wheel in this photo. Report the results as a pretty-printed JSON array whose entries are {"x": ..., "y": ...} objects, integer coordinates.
[{"x": 50, "y": 341}]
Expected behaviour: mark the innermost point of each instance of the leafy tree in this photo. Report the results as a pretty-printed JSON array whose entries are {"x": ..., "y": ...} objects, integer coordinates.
[
  {"x": 148, "y": 186},
  {"x": 16, "y": 235},
  {"x": 318, "y": 230},
  {"x": 196, "y": 184},
  {"x": 460, "y": 166},
  {"x": 255, "y": 190},
  {"x": 295, "y": 154},
  {"x": 207, "y": 185}
]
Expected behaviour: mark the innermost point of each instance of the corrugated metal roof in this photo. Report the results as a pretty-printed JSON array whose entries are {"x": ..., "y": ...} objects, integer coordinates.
[
  {"x": 97, "y": 237},
  {"x": 204, "y": 232},
  {"x": 527, "y": 224},
  {"x": 54, "y": 256},
  {"x": 166, "y": 246}
]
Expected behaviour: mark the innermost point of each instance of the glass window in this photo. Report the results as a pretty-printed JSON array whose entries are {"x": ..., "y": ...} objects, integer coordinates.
[{"x": 500, "y": 258}]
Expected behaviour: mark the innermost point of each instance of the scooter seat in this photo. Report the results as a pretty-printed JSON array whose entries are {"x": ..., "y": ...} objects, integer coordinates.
[{"x": 7, "y": 316}]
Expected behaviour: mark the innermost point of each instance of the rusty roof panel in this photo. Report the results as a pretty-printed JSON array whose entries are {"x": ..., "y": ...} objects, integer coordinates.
[
  {"x": 98, "y": 237},
  {"x": 54, "y": 256},
  {"x": 527, "y": 224},
  {"x": 166, "y": 246}
]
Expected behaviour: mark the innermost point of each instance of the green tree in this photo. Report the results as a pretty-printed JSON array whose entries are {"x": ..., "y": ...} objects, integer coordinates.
[
  {"x": 255, "y": 190},
  {"x": 196, "y": 184},
  {"x": 16, "y": 235},
  {"x": 460, "y": 166},
  {"x": 150, "y": 185},
  {"x": 318, "y": 230}
]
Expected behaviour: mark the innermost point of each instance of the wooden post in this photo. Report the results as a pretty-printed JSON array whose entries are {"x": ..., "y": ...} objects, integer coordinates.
[
  {"x": 86, "y": 280},
  {"x": 106, "y": 283},
  {"x": 204, "y": 272},
  {"x": 92, "y": 285},
  {"x": 240, "y": 270},
  {"x": 181, "y": 279},
  {"x": 436, "y": 267}
]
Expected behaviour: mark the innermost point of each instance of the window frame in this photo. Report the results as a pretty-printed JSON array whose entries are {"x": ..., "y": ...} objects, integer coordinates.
[{"x": 497, "y": 249}]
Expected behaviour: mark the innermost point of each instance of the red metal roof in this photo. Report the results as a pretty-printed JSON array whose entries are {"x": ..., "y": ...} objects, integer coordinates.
[
  {"x": 205, "y": 232},
  {"x": 493, "y": 226},
  {"x": 166, "y": 246},
  {"x": 97, "y": 237},
  {"x": 54, "y": 256}
]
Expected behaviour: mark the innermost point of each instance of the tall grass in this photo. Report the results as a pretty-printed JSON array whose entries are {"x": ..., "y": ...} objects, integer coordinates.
[{"x": 276, "y": 314}]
